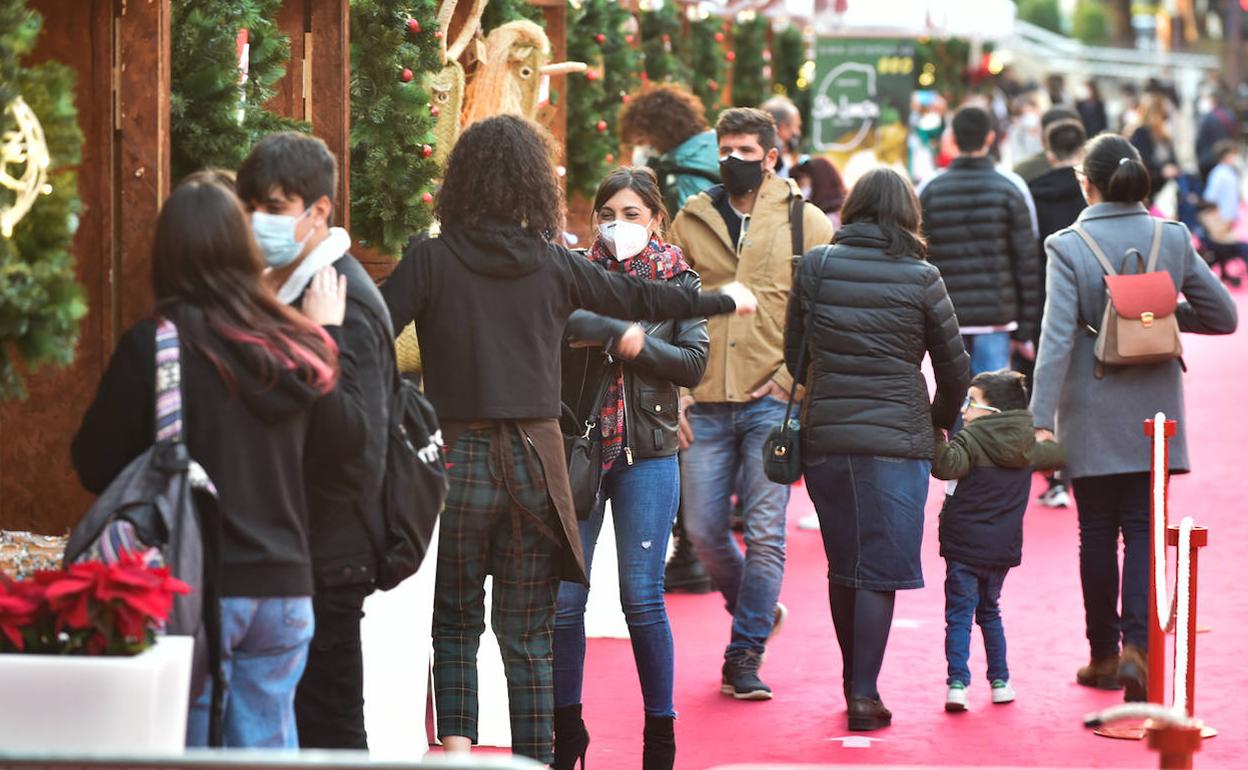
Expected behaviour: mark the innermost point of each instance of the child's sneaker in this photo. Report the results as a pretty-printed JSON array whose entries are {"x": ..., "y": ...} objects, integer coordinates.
[
  {"x": 955, "y": 700},
  {"x": 1002, "y": 692}
]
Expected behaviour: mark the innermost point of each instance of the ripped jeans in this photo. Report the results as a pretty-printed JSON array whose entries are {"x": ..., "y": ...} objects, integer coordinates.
[{"x": 643, "y": 498}]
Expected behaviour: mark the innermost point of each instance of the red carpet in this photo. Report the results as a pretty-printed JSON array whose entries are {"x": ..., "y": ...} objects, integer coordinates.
[{"x": 1043, "y": 615}]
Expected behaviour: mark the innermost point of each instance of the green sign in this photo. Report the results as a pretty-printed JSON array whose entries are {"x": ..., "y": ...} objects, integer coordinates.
[{"x": 862, "y": 96}]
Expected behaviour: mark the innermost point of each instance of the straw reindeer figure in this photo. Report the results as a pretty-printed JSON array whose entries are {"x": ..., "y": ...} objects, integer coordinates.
[
  {"x": 508, "y": 79},
  {"x": 446, "y": 86}
]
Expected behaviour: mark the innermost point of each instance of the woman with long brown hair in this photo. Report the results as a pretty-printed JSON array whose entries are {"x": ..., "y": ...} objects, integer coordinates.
[
  {"x": 862, "y": 315},
  {"x": 623, "y": 378},
  {"x": 490, "y": 297},
  {"x": 259, "y": 390},
  {"x": 1152, "y": 140}
]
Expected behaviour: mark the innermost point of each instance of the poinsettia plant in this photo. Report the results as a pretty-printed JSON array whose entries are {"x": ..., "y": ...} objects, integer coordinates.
[{"x": 89, "y": 608}]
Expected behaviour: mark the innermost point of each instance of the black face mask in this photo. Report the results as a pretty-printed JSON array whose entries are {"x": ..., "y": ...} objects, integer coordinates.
[{"x": 740, "y": 176}]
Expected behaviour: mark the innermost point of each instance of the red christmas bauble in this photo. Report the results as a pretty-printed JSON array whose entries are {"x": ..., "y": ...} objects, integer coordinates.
[
  {"x": 719, "y": 37},
  {"x": 427, "y": 198},
  {"x": 591, "y": 75},
  {"x": 629, "y": 39},
  {"x": 407, "y": 75},
  {"x": 601, "y": 38},
  {"x": 667, "y": 38},
  {"x": 413, "y": 26},
  {"x": 601, "y": 126},
  {"x": 435, "y": 110},
  {"x": 437, "y": 35},
  {"x": 711, "y": 84},
  {"x": 610, "y": 158},
  {"x": 731, "y": 56},
  {"x": 426, "y": 151},
  {"x": 624, "y": 98}
]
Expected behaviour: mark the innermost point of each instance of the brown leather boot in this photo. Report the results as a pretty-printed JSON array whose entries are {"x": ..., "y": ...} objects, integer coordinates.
[
  {"x": 868, "y": 714},
  {"x": 1101, "y": 673},
  {"x": 1133, "y": 673}
]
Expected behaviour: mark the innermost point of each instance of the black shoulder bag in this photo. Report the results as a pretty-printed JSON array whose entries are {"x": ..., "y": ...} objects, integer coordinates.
[
  {"x": 782, "y": 451},
  {"x": 583, "y": 449}
]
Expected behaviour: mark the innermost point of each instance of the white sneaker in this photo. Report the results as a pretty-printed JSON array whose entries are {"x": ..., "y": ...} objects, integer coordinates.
[
  {"x": 809, "y": 522},
  {"x": 955, "y": 700},
  {"x": 1055, "y": 497},
  {"x": 1002, "y": 692}
]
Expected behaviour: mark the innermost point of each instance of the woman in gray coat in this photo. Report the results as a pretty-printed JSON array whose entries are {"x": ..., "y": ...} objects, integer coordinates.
[{"x": 1099, "y": 421}]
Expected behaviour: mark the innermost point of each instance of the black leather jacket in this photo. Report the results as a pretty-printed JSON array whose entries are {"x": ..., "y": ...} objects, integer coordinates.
[{"x": 673, "y": 357}]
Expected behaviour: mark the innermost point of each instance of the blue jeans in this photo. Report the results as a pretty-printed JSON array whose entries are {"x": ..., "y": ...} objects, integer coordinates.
[
  {"x": 989, "y": 352},
  {"x": 643, "y": 497},
  {"x": 727, "y": 456},
  {"x": 264, "y": 646},
  {"x": 974, "y": 591}
]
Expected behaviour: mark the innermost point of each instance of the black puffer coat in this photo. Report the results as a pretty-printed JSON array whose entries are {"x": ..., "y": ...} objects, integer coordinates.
[
  {"x": 980, "y": 235},
  {"x": 875, "y": 316}
]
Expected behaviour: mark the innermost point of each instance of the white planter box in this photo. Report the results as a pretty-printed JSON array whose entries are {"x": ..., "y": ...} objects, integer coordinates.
[{"x": 71, "y": 704}]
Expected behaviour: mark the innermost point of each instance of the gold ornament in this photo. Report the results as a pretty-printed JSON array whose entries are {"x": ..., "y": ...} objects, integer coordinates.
[{"x": 23, "y": 147}]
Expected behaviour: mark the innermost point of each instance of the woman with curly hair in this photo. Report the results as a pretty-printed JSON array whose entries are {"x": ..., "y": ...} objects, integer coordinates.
[
  {"x": 490, "y": 297},
  {"x": 671, "y": 120}
]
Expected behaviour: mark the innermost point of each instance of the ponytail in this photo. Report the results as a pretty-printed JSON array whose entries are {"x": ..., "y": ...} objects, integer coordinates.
[{"x": 1113, "y": 166}]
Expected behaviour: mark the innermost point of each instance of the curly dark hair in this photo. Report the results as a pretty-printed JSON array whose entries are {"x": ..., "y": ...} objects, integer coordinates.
[
  {"x": 663, "y": 117},
  {"x": 500, "y": 170}
]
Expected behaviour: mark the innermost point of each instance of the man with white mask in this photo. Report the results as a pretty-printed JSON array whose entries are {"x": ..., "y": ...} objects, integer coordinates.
[
  {"x": 748, "y": 229},
  {"x": 288, "y": 183}
]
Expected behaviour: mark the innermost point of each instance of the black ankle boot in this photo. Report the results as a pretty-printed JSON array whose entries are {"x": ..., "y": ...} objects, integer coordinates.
[
  {"x": 684, "y": 573},
  {"x": 571, "y": 738},
  {"x": 660, "y": 743}
]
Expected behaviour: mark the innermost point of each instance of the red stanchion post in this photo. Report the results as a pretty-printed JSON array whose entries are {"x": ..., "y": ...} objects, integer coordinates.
[{"x": 1156, "y": 625}]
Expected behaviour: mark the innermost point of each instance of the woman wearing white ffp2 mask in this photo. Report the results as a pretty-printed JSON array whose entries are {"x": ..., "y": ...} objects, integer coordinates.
[{"x": 621, "y": 380}]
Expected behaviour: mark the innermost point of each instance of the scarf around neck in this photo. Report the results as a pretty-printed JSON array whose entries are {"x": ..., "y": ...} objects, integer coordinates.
[{"x": 659, "y": 261}]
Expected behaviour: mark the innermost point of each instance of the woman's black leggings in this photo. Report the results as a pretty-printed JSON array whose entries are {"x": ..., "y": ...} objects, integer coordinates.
[{"x": 862, "y": 619}]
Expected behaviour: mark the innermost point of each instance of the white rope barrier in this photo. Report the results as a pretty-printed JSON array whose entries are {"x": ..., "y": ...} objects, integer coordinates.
[
  {"x": 1183, "y": 585},
  {"x": 1173, "y": 609}
]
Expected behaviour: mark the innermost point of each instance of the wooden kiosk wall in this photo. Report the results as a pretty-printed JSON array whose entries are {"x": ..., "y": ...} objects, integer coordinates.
[{"x": 120, "y": 51}]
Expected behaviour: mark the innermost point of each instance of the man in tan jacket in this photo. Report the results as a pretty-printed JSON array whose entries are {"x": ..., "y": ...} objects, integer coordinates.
[{"x": 742, "y": 231}]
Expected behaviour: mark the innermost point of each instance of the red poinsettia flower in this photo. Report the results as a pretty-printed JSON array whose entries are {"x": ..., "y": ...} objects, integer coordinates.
[
  {"x": 70, "y": 591},
  {"x": 142, "y": 589},
  {"x": 18, "y": 607}
]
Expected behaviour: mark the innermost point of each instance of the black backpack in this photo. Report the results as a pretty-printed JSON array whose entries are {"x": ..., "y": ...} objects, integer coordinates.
[
  {"x": 415, "y": 484},
  {"x": 164, "y": 500}
]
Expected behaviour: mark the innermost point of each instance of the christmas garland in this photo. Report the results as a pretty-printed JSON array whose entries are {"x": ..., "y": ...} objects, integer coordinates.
[
  {"x": 707, "y": 62},
  {"x": 661, "y": 35},
  {"x": 206, "y": 99},
  {"x": 749, "y": 43},
  {"x": 394, "y": 44},
  {"x": 606, "y": 40},
  {"x": 41, "y": 302}
]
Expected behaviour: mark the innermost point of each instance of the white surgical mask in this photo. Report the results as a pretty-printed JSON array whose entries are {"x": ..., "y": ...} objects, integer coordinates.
[
  {"x": 275, "y": 235},
  {"x": 624, "y": 240}
]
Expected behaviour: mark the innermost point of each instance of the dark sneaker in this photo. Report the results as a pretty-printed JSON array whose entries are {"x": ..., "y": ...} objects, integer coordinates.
[
  {"x": 684, "y": 573},
  {"x": 740, "y": 677}
]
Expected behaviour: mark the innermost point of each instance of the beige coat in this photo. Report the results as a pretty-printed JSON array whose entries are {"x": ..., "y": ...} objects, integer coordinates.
[{"x": 747, "y": 351}]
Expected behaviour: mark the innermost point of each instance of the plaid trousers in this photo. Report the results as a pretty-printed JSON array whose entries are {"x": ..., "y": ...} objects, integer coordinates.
[{"x": 498, "y": 521}]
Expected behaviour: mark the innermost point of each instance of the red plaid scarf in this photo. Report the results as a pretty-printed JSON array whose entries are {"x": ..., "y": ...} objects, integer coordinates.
[{"x": 658, "y": 262}]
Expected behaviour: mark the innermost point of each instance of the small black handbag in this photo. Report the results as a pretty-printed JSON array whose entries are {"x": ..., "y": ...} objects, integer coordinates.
[
  {"x": 782, "y": 451},
  {"x": 583, "y": 449}
]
